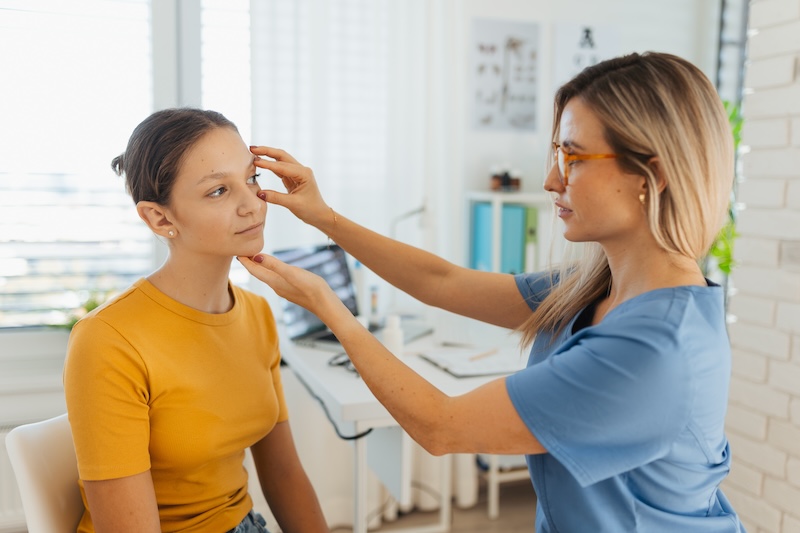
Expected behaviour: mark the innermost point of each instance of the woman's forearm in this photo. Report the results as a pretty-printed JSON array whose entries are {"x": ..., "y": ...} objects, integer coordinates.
[
  {"x": 486, "y": 296},
  {"x": 412, "y": 270},
  {"x": 419, "y": 407}
]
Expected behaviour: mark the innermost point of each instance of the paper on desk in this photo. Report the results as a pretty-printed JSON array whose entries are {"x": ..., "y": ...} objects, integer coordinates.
[{"x": 477, "y": 361}]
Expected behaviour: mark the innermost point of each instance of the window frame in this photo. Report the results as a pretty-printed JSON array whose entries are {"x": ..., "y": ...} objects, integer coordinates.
[{"x": 176, "y": 58}]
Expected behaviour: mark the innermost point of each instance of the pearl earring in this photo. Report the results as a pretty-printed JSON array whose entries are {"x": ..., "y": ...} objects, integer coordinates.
[
  {"x": 171, "y": 233},
  {"x": 641, "y": 198}
]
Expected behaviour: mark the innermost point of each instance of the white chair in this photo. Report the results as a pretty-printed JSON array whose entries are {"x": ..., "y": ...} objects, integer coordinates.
[
  {"x": 499, "y": 470},
  {"x": 43, "y": 459}
]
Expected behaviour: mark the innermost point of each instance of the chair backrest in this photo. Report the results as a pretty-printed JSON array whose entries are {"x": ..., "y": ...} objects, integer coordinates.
[{"x": 43, "y": 458}]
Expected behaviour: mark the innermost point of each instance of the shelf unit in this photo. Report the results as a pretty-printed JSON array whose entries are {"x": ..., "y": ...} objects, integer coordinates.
[
  {"x": 497, "y": 201},
  {"x": 496, "y": 472}
]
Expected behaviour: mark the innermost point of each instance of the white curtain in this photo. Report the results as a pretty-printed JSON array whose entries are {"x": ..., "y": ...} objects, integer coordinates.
[
  {"x": 341, "y": 85},
  {"x": 358, "y": 90}
]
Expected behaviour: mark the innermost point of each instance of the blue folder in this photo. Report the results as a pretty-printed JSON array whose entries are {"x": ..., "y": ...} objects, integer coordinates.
[{"x": 512, "y": 238}]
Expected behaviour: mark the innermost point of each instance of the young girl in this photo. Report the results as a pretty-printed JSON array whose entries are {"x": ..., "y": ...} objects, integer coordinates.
[
  {"x": 622, "y": 406},
  {"x": 171, "y": 381}
]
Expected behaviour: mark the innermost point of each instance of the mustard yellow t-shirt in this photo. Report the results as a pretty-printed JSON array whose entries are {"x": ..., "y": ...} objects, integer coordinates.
[{"x": 153, "y": 384}]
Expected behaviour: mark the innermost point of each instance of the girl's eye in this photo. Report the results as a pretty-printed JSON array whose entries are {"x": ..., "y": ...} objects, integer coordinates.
[
  {"x": 252, "y": 180},
  {"x": 217, "y": 192}
]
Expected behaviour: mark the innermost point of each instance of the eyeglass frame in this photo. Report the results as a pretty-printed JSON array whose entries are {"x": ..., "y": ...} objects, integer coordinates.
[
  {"x": 564, "y": 175},
  {"x": 343, "y": 360}
]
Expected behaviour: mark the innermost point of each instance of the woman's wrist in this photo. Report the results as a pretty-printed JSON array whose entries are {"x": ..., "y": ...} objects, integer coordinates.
[
  {"x": 326, "y": 221},
  {"x": 331, "y": 310}
]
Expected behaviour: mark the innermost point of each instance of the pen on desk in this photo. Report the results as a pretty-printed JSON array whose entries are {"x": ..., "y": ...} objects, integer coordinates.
[
  {"x": 481, "y": 355},
  {"x": 449, "y": 344}
]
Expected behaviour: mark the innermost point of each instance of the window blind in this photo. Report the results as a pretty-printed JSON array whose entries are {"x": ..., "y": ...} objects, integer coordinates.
[
  {"x": 76, "y": 81},
  {"x": 225, "y": 60},
  {"x": 320, "y": 92},
  {"x": 225, "y": 72}
]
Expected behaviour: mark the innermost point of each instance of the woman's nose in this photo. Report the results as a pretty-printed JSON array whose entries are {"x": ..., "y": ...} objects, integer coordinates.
[{"x": 552, "y": 182}]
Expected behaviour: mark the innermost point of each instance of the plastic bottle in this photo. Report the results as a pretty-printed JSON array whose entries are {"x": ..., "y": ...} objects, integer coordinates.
[
  {"x": 361, "y": 289},
  {"x": 392, "y": 335},
  {"x": 374, "y": 319}
]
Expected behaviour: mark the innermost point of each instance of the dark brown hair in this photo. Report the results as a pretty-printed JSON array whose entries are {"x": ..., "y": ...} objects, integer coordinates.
[{"x": 157, "y": 147}]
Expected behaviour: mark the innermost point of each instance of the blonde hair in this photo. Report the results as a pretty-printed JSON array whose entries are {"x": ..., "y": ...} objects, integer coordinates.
[{"x": 650, "y": 105}]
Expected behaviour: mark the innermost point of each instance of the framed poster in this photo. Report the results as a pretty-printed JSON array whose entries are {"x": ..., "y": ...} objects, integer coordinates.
[
  {"x": 505, "y": 74},
  {"x": 578, "y": 46}
]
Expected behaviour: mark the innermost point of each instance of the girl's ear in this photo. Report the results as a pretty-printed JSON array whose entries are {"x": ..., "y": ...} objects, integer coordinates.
[
  {"x": 156, "y": 218},
  {"x": 655, "y": 165}
]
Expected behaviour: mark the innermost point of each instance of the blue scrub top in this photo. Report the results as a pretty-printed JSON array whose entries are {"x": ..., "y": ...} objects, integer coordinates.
[{"x": 631, "y": 412}]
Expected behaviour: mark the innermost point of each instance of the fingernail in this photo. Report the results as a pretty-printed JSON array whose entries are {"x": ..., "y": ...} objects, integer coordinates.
[
  {"x": 258, "y": 259},
  {"x": 253, "y": 147},
  {"x": 262, "y": 195}
]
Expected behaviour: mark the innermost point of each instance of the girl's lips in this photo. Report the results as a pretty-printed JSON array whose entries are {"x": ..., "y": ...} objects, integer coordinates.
[{"x": 251, "y": 229}]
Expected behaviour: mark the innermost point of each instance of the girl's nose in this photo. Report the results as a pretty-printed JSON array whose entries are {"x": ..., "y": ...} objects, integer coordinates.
[{"x": 250, "y": 202}]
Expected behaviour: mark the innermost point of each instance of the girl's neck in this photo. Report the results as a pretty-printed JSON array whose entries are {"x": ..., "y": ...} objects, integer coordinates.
[{"x": 199, "y": 283}]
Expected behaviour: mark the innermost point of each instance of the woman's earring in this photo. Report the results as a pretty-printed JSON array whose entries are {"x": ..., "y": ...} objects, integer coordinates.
[
  {"x": 171, "y": 233},
  {"x": 641, "y": 198}
]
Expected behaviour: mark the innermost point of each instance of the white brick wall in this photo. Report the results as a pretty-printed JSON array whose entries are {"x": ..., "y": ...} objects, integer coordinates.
[
  {"x": 752, "y": 366},
  {"x": 790, "y": 255},
  {"x": 781, "y": 38},
  {"x": 753, "y": 309},
  {"x": 793, "y": 193},
  {"x": 763, "y": 421},
  {"x": 763, "y": 192},
  {"x": 775, "y": 71},
  {"x": 758, "y": 251},
  {"x": 763, "y": 14},
  {"x": 780, "y": 283},
  {"x": 768, "y": 132}
]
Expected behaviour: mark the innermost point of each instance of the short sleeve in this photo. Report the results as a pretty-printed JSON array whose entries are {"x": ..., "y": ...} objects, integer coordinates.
[
  {"x": 283, "y": 411},
  {"x": 275, "y": 364},
  {"x": 535, "y": 287},
  {"x": 107, "y": 397},
  {"x": 612, "y": 398}
]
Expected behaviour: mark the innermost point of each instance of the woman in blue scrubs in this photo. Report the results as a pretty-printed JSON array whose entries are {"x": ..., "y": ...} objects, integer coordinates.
[{"x": 621, "y": 408}]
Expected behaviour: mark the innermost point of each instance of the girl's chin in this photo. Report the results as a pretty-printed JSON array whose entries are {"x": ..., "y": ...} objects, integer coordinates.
[{"x": 249, "y": 251}]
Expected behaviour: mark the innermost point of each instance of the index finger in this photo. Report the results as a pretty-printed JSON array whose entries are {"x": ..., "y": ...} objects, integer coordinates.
[
  {"x": 263, "y": 269},
  {"x": 281, "y": 169},
  {"x": 275, "y": 153}
]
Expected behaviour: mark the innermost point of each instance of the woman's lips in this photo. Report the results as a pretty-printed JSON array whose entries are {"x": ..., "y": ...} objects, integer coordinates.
[{"x": 562, "y": 211}]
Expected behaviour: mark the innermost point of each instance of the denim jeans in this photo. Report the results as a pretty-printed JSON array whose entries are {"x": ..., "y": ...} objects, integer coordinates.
[{"x": 252, "y": 523}]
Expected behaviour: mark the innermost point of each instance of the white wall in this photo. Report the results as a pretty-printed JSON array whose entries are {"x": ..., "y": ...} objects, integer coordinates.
[
  {"x": 764, "y": 414},
  {"x": 687, "y": 28}
]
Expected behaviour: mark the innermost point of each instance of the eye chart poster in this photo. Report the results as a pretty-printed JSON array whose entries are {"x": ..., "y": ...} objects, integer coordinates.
[
  {"x": 505, "y": 74},
  {"x": 578, "y": 46}
]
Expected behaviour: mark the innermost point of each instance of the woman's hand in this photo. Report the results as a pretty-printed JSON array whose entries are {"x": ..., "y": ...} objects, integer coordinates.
[
  {"x": 295, "y": 284},
  {"x": 302, "y": 196}
]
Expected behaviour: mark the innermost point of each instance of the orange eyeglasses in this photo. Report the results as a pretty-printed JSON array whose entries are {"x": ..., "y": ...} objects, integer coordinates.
[{"x": 562, "y": 159}]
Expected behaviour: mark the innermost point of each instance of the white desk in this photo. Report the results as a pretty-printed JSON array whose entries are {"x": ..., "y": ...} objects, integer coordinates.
[{"x": 354, "y": 409}]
